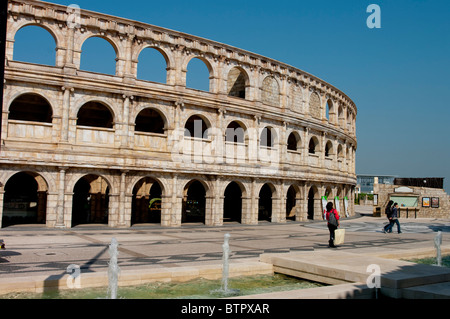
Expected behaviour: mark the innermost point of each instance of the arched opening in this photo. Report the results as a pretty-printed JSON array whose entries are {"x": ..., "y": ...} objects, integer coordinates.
[
  {"x": 315, "y": 109},
  {"x": 194, "y": 204},
  {"x": 293, "y": 142},
  {"x": 328, "y": 149},
  {"x": 152, "y": 66},
  {"x": 329, "y": 110},
  {"x": 146, "y": 202},
  {"x": 270, "y": 91},
  {"x": 340, "y": 152},
  {"x": 291, "y": 203},
  {"x": 311, "y": 203},
  {"x": 95, "y": 114},
  {"x": 237, "y": 83},
  {"x": 267, "y": 137},
  {"x": 24, "y": 202},
  {"x": 150, "y": 121},
  {"x": 265, "y": 203},
  {"x": 232, "y": 205},
  {"x": 196, "y": 127},
  {"x": 99, "y": 56},
  {"x": 90, "y": 201},
  {"x": 313, "y": 145},
  {"x": 197, "y": 75},
  {"x": 31, "y": 108},
  {"x": 235, "y": 133},
  {"x": 34, "y": 44}
]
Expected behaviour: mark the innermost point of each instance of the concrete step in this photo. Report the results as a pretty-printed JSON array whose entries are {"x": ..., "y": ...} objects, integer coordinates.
[{"x": 338, "y": 267}]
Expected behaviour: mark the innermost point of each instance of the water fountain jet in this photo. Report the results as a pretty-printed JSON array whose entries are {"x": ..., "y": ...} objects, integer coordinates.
[
  {"x": 437, "y": 244},
  {"x": 113, "y": 269}
]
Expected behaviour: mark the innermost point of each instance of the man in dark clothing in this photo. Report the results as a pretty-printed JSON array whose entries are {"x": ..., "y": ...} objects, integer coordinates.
[{"x": 394, "y": 219}]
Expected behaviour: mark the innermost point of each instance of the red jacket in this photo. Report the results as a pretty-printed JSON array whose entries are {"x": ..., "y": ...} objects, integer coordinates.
[{"x": 334, "y": 211}]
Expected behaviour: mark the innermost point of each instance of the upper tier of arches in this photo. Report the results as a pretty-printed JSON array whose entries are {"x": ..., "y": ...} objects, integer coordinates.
[{"x": 141, "y": 52}]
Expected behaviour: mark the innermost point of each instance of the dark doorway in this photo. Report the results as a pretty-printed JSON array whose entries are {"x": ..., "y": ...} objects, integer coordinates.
[
  {"x": 147, "y": 200},
  {"x": 23, "y": 203},
  {"x": 194, "y": 208},
  {"x": 290, "y": 203},
  {"x": 311, "y": 204},
  {"x": 265, "y": 203},
  {"x": 232, "y": 206},
  {"x": 90, "y": 201}
]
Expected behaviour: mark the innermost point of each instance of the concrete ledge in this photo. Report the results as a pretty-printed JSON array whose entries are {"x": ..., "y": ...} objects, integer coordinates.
[
  {"x": 132, "y": 277},
  {"x": 399, "y": 279},
  {"x": 344, "y": 291}
]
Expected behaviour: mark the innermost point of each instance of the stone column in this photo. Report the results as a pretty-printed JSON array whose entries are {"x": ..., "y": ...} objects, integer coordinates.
[
  {"x": 65, "y": 114},
  {"x": 122, "y": 199},
  {"x": 69, "y": 66},
  {"x": 61, "y": 198},
  {"x": 125, "y": 125},
  {"x": 128, "y": 76},
  {"x": 2, "y": 197}
]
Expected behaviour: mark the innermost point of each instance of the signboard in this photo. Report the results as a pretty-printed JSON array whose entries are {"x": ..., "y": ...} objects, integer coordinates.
[
  {"x": 324, "y": 206},
  {"x": 346, "y": 206},
  {"x": 337, "y": 205}
]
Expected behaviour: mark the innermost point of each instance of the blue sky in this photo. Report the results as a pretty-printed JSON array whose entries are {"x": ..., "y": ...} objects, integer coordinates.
[{"x": 398, "y": 75}]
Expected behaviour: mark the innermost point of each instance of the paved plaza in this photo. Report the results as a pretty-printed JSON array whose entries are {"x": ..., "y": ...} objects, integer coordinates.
[{"x": 34, "y": 251}]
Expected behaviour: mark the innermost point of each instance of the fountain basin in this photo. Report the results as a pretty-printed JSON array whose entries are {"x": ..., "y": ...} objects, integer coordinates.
[
  {"x": 195, "y": 289},
  {"x": 134, "y": 277}
]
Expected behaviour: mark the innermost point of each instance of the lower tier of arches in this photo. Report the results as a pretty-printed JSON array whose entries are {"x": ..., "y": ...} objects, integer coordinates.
[{"x": 66, "y": 197}]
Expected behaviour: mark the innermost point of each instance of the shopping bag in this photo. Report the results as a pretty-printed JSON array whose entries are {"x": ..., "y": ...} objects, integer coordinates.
[{"x": 339, "y": 236}]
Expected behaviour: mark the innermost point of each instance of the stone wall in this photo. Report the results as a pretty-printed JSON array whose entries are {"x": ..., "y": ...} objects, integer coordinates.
[
  {"x": 385, "y": 192},
  {"x": 277, "y": 96}
]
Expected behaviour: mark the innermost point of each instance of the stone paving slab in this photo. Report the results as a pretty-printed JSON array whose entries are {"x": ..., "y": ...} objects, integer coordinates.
[{"x": 37, "y": 251}]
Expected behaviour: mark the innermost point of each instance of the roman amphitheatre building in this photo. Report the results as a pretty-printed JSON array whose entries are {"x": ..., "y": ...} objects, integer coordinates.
[{"x": 263, "y": 143}]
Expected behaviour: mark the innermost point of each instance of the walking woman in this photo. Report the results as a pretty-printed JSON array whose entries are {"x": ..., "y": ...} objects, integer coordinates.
[{"x": 332, "y": 217}]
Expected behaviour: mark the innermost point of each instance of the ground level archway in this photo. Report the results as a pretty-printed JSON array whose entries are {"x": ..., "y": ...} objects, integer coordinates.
[
  {"x": 194, "y": 203},
  {"x": 90, "y": 201},
  {"x": 265, "y": 203},
  {"x": 25, "y": 200},
  {"x": 146, "y": 202},
  {"x": 232, "y": 205}
]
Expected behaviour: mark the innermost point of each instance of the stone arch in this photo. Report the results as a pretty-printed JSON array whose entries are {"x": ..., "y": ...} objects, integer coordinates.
[
  {"x": 151, "y": 120},
  {"x": 163, "y": 54},
  {"x": 238, "y": 82},
  {"x": 198, "y": 126},
  {"x": 294, "y": 142},
  {"x": 330, "y": 112},
  {"x": 296, "y": 98},
  {"x": 267, "y": 194},
  {"x": 313, "y": 145},
  {"x": 25, "y": 199},
  {"x": 110, "y": 40},
  {"x": 32, "y": 107},
  {"x": 236, "y": 132},
  {"x": 329, "y": 149},
  {"x": 210, "y": 69},
  {"x": 268, "y": 137},
  {"x": 313, "y": 202},
  {"x": 340, "y": 151},
  {"x": 90, "y": 203},
  {"x": 148, "y": 195},
  {"x": 315, "y": 108},
  {"x": 270, "y": 91},
  {"x": 292, "y": 202},
  {"x": 96, "y": 114},
  {"x": 46, "y": 28},
  {"x": 195, "y": 194},
  {"x": 232, "y": 206}
]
